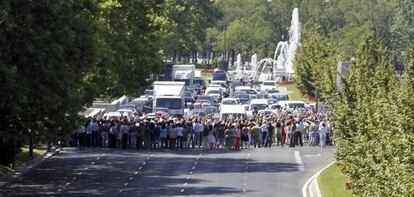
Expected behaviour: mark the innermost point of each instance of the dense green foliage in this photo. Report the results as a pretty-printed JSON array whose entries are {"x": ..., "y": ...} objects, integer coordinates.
[
  {"x": 374, "y": 125},
  {"x": 56, "y": 57},
  {"x": 374, "y": 112},
  {"x": 315, "y": 66}
]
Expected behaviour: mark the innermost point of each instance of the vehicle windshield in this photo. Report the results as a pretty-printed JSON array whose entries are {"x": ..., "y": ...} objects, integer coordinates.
[
  {"x": 296, "y": 105},
  {"x": 271, "y": 91},
  {"x": 213, "y": 92},
  {"x": 275, "y": 107},
  {"x": 186, "y": 81},
  {"x": 229, "y": 102},
  {"x": 280, "y": 97},
  {"x": 211, "y": 110},
  {"x": 170, "y": 103},
  {"x": 269, "y": 83},
  {"x": 188, "y": 94},
  {"x": 259, "y": 106},
  {"x": 149, "y": 92},
  {"x": 198, "y": 81},
  {"x": 219, "y": 77}
]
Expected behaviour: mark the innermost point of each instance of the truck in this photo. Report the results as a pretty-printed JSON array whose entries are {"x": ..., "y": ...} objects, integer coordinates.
[
  {"x": 169, "y": 95},
  {"x": 166, "y": 73},
  {"x": 185, "y": 73}
]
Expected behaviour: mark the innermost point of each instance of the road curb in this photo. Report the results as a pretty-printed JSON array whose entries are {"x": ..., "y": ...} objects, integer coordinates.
[
  {"x": 311, "y": 187},
  {"x": 22, "y": 169}
]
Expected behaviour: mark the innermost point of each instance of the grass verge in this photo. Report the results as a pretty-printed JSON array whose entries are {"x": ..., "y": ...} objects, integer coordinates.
[
  {"x": 332, "y": 183},
  {"x": 294, "y": 93},
  {"x": 22, "y": 158}
]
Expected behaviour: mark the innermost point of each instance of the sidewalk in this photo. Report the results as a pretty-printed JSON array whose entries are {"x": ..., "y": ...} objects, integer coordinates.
[{"x": 27, "y": 166}]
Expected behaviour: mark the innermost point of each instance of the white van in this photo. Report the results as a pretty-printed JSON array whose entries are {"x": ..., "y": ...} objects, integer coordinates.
[
  {"x": 233, "y": 110},
  {"x": 291, "y": 105}
]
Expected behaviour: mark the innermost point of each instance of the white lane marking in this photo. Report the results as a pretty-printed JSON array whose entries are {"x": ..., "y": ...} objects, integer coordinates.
[
  {"x": 98, "y": 158},
  {"x": 143, "y": 163},
  {"x": 188, "y": 177},
  {"x": 185, "y": 184},
  {"x": 195, "y": 163},
  {"x": 248, "y": 155},
  {"x": 193, "y": 168},
  {"x": 140, "y": 168},
  {"x": 121, "y": 190},
  {"x": 317, "y": 155},
  {"x": 80, "y": 173},
  {"x": 305, "y": 187},
  {"x": 74, "y": 178},
  {"x": 59, "y": 190},
  {"x": 148, "y": 158},
  {"x": 152, "y": 154},
  {"x": 244, "y": 184},
  {"x": 299, "y": 161},
  {"x": 103, "y": 154},
  {"x": 244, "y": 190},
  {"x": 86, "y": 168},
  {"x": 136, "y": 173},
  {"x": 67, "y": 183},
  {"x": 126, "y": 184},
  {"x": 191, "y": 172},
  {"x": 182, "y": 190},
  {"x": 130, "y": 178},
  {"x": 93, "y": 163}
]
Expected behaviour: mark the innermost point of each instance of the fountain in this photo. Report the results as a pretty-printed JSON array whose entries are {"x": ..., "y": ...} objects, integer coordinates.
[
  {"x": 239, "y": 67},
  {"x": 281, "y": 66}
]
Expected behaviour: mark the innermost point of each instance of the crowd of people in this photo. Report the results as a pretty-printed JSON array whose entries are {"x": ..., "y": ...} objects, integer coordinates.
[{"x": 284, "y": 128}]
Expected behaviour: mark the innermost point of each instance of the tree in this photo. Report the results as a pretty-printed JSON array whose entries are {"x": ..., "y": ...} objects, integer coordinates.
[{"x": 315, "y": 66}]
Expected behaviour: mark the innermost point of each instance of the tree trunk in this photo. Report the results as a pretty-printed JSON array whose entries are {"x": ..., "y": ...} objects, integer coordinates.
[{"x": 31, "y": 145}]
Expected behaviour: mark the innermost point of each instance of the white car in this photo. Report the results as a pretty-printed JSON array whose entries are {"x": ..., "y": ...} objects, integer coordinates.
[
  {"x": 215, "y": 92},
  {"x": 291, "y": 105},
  {"x": 257, "y": 104},
  {"x": 266, "y": 85},
  {"x": 246, "y": 89}
]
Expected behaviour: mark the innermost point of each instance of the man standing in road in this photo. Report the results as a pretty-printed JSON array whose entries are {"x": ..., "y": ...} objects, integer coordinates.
[
  {"x": 198, "y": 128},
  {"x": 298, "y": 133},
  {"x": 93, "y": 130},
  {"x": 264, "y": 130},
  {"x": 124, "y": 130}
]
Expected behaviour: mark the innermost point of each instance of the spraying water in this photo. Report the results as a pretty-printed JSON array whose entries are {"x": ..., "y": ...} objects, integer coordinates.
[{"x": 284, "y": 56}]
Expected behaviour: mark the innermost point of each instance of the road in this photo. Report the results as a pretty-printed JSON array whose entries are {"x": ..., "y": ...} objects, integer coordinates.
[{"x": 272, "y": 171}]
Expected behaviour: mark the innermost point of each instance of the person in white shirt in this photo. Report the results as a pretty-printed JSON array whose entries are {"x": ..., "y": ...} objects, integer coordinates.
[
  {"x": 198, "y": 128},
  {"x": 323, "y": 132}
]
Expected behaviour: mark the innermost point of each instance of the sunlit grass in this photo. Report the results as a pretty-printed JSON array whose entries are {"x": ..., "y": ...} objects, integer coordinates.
[
  {"x": 22, "y": 158},
  {"x": 332, "y": 183}
]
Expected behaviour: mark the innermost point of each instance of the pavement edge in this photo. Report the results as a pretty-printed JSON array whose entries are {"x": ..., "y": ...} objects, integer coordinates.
[
  {"x": 28, "y": 166},
  {"x": 311, "y": 187}
]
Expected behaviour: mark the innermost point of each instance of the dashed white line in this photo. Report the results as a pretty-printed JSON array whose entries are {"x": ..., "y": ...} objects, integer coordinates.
[
  {"x": 195, "y": 163},
  {"x": 98, "y": 158},
  {"x": 191, "y": 172},
  {"x": 136, "y": 173},
  {"x": 67, "y": 183},
  {"x": 143, "y": 163},
  {"x": 59, "y": 190},
  {"x": 182, "y": 190},
  {"x": 193, "y": 168},
  {"x": 86, "y": 168},
  {"x": 126, "y": 184},
  {"x": 140, "y": 168},
  {"x": 74, "y": 178},
  {"x": 188, "y": 177},
  {"x": 93, "y": 163},
  {"x": 130, "y": 178},
  {"x": 185, "y": 184}
]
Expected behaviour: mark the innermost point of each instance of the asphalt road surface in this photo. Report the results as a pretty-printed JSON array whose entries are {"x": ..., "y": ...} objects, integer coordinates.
[{"x": 272, "y": 171}]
